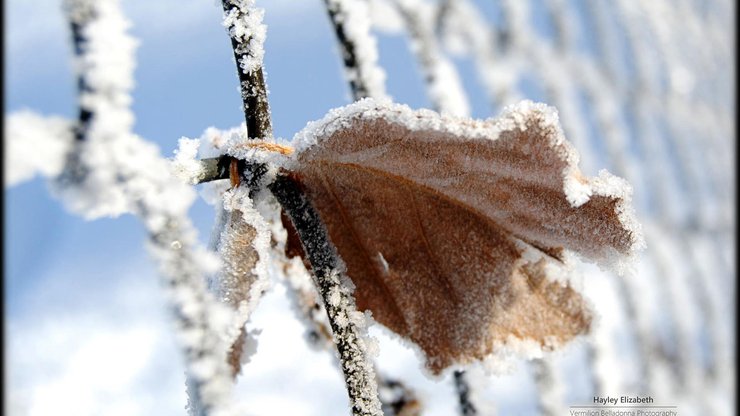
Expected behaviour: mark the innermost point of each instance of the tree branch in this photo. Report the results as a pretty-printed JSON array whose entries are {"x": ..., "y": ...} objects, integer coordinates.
[
  {"x": 462, "y": 388},
  {"x": 346, "y": 321},
  {"x": 101, "y": 179},
  {"x": 358, "y": 47},
  {"x": 244, "y": 24},
  {"x": 396, "y": 398},
  {"x": 443, "y": 83}
]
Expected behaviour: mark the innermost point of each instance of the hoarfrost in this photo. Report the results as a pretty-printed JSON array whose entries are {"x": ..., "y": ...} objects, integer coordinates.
[
  {"x": 185, "y": 164},
  {"x": 350, "y": 335},
  {"x": 385, "y": 16},
  {"x": 243, "y": 247},
  {"x": 244, "y": 23},
  {"x": 110, "y": 171},
  {"x": 34, "y": 144},
  {"x": 354, "y": 18},
  {"x": 444, "y": 86}
]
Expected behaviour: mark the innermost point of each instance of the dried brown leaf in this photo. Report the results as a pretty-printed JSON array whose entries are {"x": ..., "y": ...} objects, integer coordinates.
[{"x": 452, "y": 229}]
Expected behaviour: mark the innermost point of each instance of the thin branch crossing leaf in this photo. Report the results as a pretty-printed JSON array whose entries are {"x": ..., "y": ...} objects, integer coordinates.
[{"x": 455, "y": 231}]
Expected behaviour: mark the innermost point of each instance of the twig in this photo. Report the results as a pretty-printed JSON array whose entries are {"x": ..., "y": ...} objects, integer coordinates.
[
  {"x": 238, "y": 283},
  {"x": 359, "y": 375},
  {"x": 346, "y": 321},
  {"x": 110, "y": 184},
  {"x": 80, "y": 15},
  {"x": 396, "y": 398},
  {"x": 247, "y": 34},
  {"x": 462, "y": 387},
  {"x": 358, "y": 47},
  {"x": 549, "y": 386},
  {"x": 443, "y": 84}
]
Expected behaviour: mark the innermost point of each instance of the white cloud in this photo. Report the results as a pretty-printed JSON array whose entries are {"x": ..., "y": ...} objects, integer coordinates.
[{"x": 105, "y": 357}]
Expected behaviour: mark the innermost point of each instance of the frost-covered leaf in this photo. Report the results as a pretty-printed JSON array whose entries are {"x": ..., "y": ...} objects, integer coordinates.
[
  {"x": 243, "y": 247},
  {"x": 454, "y": 231}
]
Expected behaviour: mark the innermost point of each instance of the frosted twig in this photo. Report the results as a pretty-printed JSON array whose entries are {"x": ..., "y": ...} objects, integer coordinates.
[
  {"x": 244, "y": 24},
  {"x": 550, "y": 387},
  {"x": 397, "y": 399},
  {"x": 244, "y": 238},
  {"x": 358, "y": 47},
  {"x": 34, "y": 144},
  {"x": 443, "y": 84},
  {"x": 80, "y": 13},
  {"x": 462, "y": 388},
  {"x": 123, "y": 173},
  {"x": 346, "y": 322}
]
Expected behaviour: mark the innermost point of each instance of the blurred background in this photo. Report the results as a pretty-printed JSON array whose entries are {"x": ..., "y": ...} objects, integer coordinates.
[{"x": 645, "y": 90}]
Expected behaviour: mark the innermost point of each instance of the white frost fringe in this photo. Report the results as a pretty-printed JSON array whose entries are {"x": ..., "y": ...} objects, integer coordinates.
[
  {"x": 122, "y": 173},
  {"x": 355, "y": 18},
  {"x": 34, "y": 144}
]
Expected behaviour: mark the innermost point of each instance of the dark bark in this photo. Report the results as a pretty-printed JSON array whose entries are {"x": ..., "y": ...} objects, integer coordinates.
[
  {"x": 462, "y": 387},
  {"x": 253, "y": 90},
  {"x": 324, "y": 262},
  {"x": 78, "y": 20},
  {"x": 347, "y": 49},
  {"x": 75, "y": 170}
]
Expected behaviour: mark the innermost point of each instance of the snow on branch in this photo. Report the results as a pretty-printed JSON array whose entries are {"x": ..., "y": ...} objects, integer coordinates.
[
  {"x": 98, "y": 166},
  {"x": 396, "y": 397},
  {"x": 462, "y": 388},
  {"x": 34, "y": 144},
  {"x": 243, "y": 21},
  {"x": 443, "y": 84},
  {"x": 110, "y": 171},
  {"x": 351, "y": 21},
  {"x": 347, "y": 324}
]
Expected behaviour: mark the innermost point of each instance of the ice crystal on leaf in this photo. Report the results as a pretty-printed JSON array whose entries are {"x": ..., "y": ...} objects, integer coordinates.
[
  {"x": 243, "y": 247},
  {"x": 473, "y": 219}
]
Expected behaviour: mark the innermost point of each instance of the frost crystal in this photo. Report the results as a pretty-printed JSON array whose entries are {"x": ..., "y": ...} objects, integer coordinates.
[
  {"x": 444, "y": 86},
  {"x": 244, "y": 23},
  {"x": 354, "y": 18},
  {"x": 185, "y": 164},
  {"x": 243, "y": 246},
  {"x": 110, "y": 171},
  {"x": 35, "y": 145}
]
